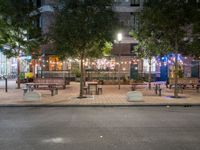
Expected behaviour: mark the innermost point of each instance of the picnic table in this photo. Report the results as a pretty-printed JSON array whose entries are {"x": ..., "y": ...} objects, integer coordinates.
[
  {"x": 60, "y": 82},
  {"x": 184, "y": 83},
  {"x": 42, "y": 86}
]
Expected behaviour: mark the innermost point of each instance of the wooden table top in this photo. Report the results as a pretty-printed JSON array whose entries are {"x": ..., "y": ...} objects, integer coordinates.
[
  {"x": 92, "y": 83},
  {"x": 41, "y": 84}
]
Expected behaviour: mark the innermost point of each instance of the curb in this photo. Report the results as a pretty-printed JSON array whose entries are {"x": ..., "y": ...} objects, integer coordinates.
[{"x": 99, "y": 105}]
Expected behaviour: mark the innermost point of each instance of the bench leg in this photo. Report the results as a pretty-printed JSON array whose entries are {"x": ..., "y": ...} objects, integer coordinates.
[
  {"x": 56, "y": 91},
  {"x": 197, "y": 89},
  {"x": 52, "y": 92},
  {"x": 85, "y": 90},
  {"x": 99, "y": 91},
  {"x": 25, "y": 91},
  {"x": 160, "y": 90},
  {"x": 133, "y": 88}
]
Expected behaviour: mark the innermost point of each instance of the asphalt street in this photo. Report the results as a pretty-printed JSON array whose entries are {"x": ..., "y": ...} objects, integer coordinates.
[{"x": 131, "y": 128}]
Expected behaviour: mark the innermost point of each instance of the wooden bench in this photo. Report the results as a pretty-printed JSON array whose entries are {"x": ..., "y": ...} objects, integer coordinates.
[
  {"x": 53, "y": 90},
  {"x": 134, "y": 85},
  {"x": 60, "y": 82}
]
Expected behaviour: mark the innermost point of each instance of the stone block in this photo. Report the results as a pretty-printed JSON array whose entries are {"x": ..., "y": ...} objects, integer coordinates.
[{"x": 134, "y": 96}]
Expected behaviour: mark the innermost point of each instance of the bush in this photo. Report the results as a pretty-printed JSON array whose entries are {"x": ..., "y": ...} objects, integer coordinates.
[{"x": 77, "y": 72}]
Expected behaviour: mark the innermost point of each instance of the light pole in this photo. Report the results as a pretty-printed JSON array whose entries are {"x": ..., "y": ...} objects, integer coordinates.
[{"x": 119, "y": 38}]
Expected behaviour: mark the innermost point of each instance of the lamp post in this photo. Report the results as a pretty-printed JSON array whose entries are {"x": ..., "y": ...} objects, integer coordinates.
[{"x": 119, "y": 38}]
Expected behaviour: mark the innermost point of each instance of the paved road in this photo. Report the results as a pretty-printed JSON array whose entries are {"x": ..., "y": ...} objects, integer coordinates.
[{"x": 133, "y": 128}]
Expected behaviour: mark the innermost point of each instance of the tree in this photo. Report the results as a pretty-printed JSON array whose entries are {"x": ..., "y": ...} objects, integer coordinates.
[
  {"x": 174, "y": 20},
  {"x": 149, "y": 45},
  {"x": 21, "y": 32},
  {"x": 81, "y": 29}
]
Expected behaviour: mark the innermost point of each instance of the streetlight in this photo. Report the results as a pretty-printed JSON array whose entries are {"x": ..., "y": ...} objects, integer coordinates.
[{"x": 119, "y": 39}]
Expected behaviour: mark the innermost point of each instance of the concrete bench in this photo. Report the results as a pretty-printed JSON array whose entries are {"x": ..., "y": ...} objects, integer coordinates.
[
  {"x": 32, "y": 96},
  {"x": 25, "y": 90},
  {"x": 134, "y": 96}
]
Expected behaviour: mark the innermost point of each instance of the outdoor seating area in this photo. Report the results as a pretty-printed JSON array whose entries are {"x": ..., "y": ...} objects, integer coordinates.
[
  {"x": 110, "y": 95},
  {"x": 184, "y": 83},
  {"x": 49, "y": 84}
]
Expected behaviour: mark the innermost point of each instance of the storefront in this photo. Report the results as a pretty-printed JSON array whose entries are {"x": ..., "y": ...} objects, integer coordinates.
[{"x": 8, "y": 66}]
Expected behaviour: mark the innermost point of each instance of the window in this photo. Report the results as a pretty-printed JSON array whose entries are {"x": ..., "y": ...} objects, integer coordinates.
[
  {"x": 40, "y": 22},
  {"x": 135, "y": 2},
  {"x": 38, "y": 3},
  {"x": 134, "y": 23},
  {"x": 146, "y": 65},
  {"x": 122, "y": 2}
]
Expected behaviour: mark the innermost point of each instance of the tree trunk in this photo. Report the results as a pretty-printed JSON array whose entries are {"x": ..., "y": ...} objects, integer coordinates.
[
  {"x": 81, "y": 79},
  {"x": 84, "y": 75},
  {"x": 149, "y": 77},
  {"x": 176, "y": 70},
  {"x": 18, "y": 70},
  {"x": 176, "y": 76}
]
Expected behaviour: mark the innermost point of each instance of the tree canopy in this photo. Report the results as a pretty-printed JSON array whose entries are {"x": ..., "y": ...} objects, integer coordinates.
[
  {"x": 174, "y": 20},
  {"x": 18, "y": 26},
  {"x": 81, "y": 25}
]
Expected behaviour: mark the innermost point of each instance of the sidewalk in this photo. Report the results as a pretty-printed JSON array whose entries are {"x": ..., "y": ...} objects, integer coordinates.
[{"x": 111, "y": 96}]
